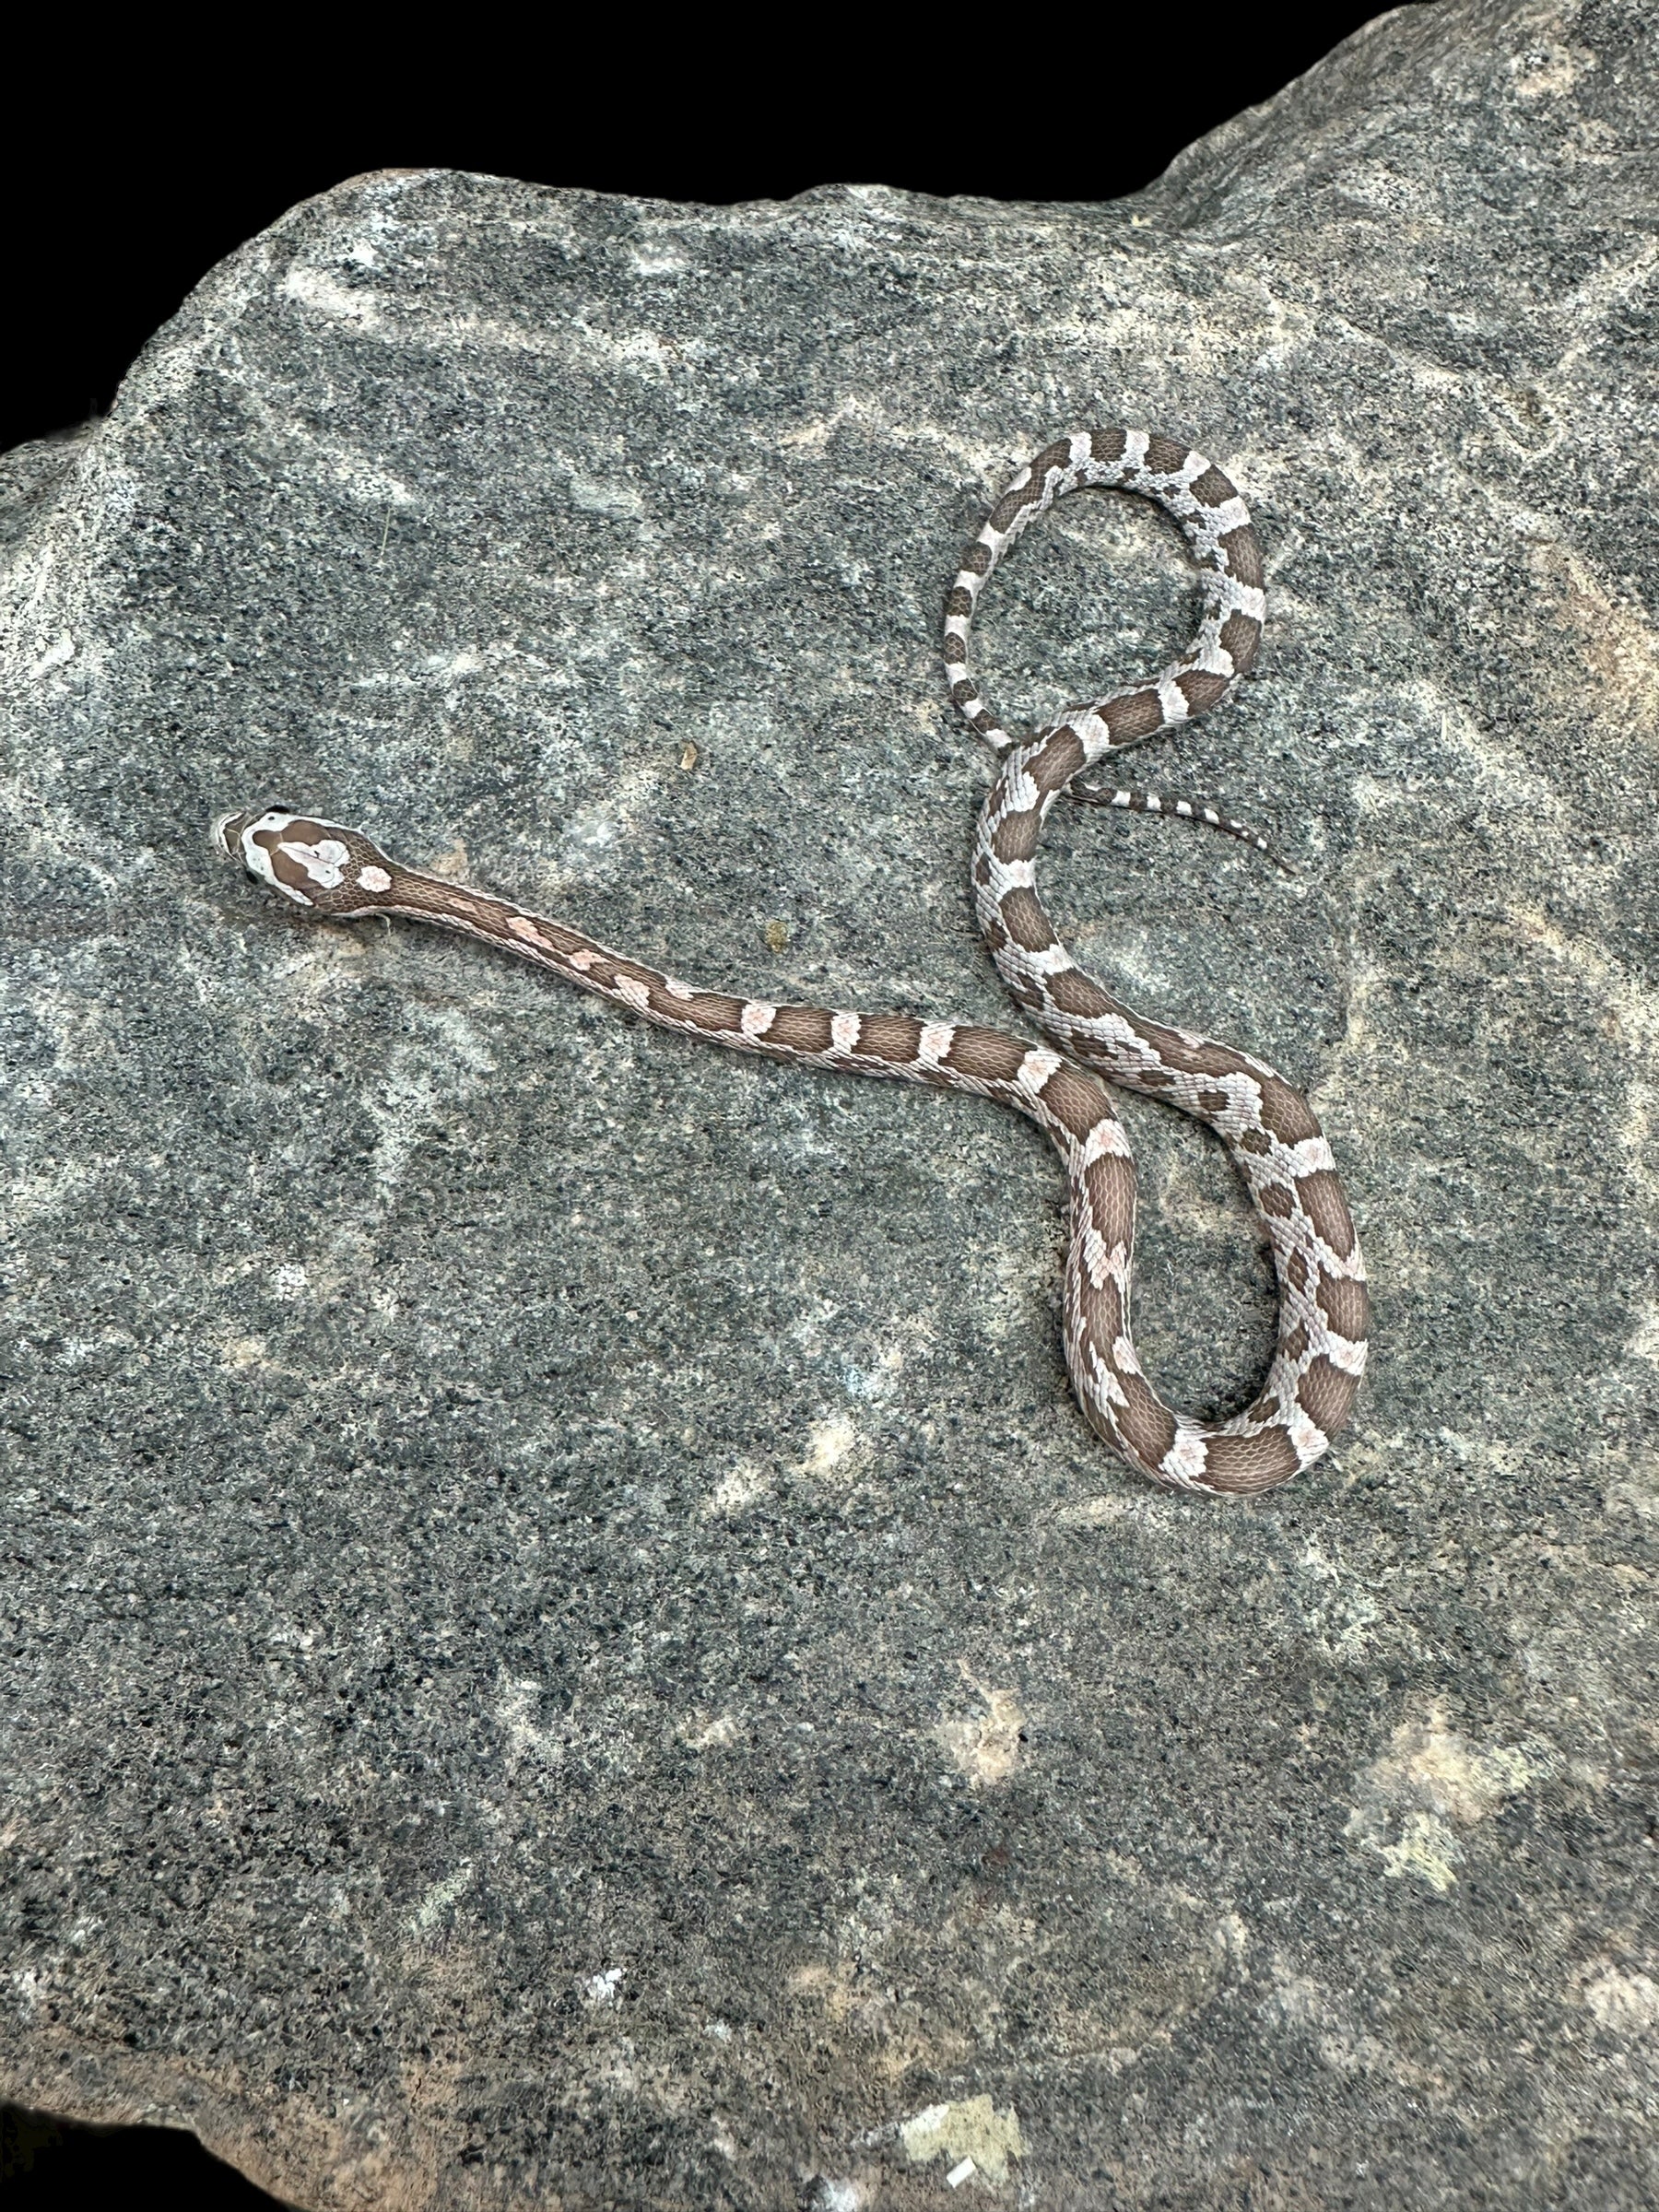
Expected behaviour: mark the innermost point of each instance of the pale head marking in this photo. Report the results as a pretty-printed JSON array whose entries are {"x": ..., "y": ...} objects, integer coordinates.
[{"x": 318, "y": 865}]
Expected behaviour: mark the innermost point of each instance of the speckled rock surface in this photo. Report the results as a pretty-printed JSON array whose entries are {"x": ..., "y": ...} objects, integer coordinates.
[{"x": 564, "y": 1643}]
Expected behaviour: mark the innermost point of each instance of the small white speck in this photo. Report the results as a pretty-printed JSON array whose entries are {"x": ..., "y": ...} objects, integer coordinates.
[
  {"x": 289, "y": 1282},
  {"x": 959, "y": 2174},
  {"x": 375, "y": 879},
  {"x": 604, "y": 1989}
]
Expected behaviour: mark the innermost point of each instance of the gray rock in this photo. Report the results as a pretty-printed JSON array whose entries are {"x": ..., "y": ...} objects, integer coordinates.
[{"x": 564, "y": 1641}]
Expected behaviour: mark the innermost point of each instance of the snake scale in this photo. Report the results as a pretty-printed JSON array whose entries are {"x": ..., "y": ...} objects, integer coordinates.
[{"x": 1267, "y": 1126}]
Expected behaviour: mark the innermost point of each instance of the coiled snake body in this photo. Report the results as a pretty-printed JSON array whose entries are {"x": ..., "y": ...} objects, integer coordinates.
[{"x": 1267, "y": 1126}]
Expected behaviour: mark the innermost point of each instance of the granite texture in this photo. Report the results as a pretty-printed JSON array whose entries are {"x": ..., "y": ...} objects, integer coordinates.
[{"x": 564, "y": 1643}]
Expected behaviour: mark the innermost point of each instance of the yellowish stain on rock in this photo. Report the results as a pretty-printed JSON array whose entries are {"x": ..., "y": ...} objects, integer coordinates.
[
  {"x": 984, "y": 1746},
  {"x": 1430, "y": 1783},
  {"x": 971, "y": 2129},
  {"x": 1624, "y": 2004},
  {"x": 1617, "y": 646}
]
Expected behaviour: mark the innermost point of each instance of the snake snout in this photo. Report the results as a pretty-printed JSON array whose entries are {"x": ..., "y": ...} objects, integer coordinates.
[{"x": 228, "y": 831}]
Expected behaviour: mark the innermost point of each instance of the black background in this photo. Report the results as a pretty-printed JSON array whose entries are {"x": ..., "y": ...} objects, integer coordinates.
[
  {"x": 118, "y": 206},
  {"x": 123, "y": 195}
]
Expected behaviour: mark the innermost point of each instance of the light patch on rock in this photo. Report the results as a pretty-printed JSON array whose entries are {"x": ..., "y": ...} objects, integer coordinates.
[
  {"x": 830, "y": 1442},
  {"x": 1335, "y": 1603},
  {"x": 1547, "y": 69},
  {"x": 324, "y": 296},
  {"x": 1624, "y": 2004},
  {"x": 620, "y": 501},
  {"x": 444, "y": 1064},
  {"x": 1298, "y": 2001},
  {"x": 842, "y": 2196},
  {"x": 984, "y": 1746},
  {"x": 1013, "y": 1286},
  {"x": 710, "y": 1735},
  {"x": 971, "y": 2129},
  {"x": 603, "y": 1988},
  {"x": 440, "y": 1897},
  {"x": 1231, "y": 1939},
  {"x": 1644, "y": 1342},
  {"x": 54, "y": 656},
  {"x": 877, "y": 1381},
  {"x": 516, "y": 1713},
  {"x": 1430, "y": 1783},
  {"x": 1093, "y": 1512},
  {"x": 737, "y": 1489}
]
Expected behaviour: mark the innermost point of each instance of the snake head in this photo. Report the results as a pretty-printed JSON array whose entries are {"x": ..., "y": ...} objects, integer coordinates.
[{"x": 317, "y": 865}]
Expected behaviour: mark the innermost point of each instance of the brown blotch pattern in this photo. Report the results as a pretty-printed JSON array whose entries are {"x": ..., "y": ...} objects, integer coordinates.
[
  {"x": 1326, "y": 1395},
  {"x": 1108, "y": 445},
  {"x": 1243, "y": 552},
  {"x": 1202, "y": 1058},
  {"x": 1249, "y": 1463},
  {"x": 1275, "y": 1199},
  {"x": 1011, "y": 503},
  {"x": 1212, "y": 488},
  {"x": 1024, "y": 921},
  {"x": 802, "y": 1029},
  {"x": 977, "y": 560},
  {"x": 1137, "y": 714},
  {"x": 1212, "y": 1102},
  {"x": 1058, "y": 761},
  {"x": 1345, "y": 1306},
  {"x": 1017, "y": 836},
  {"x": 1164, "y": 457},
  {"x": 1149, "y": 1427},
  {"x": 1242, "y": 634},
  {"x": 1108, "y": 1317},
  {"x": 1110, "y": 1182},
  {"x": 985, "y": 1054},
  {"x": 1074, "y": 992},
  {"x": 961, "y": 601},
  {"x": 1075, "y": 1102},
  {"x": 1325, "y": 1206},
  {"x": 1200, "y": 689},
  {"x": 893, "y": 1037},
  {"x": 1285, "y": 1111}
]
